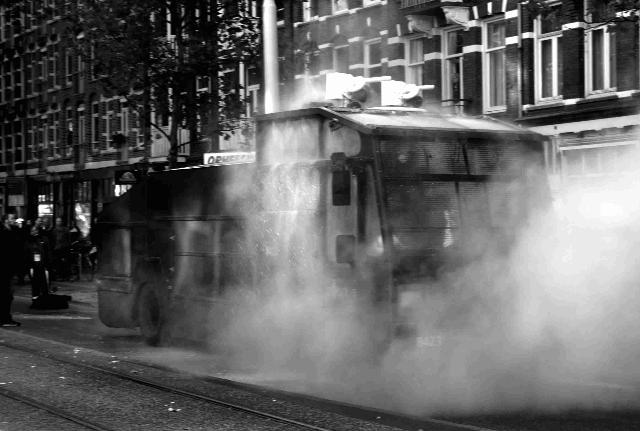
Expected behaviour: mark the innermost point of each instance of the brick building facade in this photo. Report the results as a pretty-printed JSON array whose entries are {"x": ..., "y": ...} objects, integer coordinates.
[
  {"x": 562, "y": 72},
  {"x": 57, "y": 150},
  {"x": 557, "y": 73},
  {"x": 64, "y": 140}
]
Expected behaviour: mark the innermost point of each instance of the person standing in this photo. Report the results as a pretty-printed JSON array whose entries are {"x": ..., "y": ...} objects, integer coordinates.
[
  {"x": 8, "y": 252},
  {"x": 39, "y": 259},
  {"x": 22, "y": 265},
  {"x": 60, "y": 239}
]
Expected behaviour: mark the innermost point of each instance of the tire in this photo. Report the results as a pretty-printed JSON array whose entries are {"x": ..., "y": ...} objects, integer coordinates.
[{"x": 152, "y": 313}]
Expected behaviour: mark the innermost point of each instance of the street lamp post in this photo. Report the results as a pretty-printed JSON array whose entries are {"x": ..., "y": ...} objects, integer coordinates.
[{"x": 270, "y": 54}]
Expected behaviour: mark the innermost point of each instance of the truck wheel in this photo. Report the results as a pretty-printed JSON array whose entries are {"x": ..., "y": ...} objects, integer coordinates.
[{"x": 152, "y": 313}]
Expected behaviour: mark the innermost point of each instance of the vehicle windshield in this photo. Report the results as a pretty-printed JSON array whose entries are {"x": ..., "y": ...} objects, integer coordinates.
[{"x": 448, "y": 200}]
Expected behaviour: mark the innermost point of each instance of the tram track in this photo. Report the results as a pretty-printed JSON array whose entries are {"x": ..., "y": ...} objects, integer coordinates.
[
  {"x": 52, "y": 410},
  {"x": 278, "y": 407},
  {"x": 145, "y": 382},
  {"x": 354, "y": 411}
]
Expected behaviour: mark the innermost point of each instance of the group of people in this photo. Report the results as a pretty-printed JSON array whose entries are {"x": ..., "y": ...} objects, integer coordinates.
[{"x": 30, "y": 249}]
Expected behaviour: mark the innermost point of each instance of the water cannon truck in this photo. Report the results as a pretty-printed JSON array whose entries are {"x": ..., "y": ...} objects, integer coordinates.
[{"x": 385, "y": 198}]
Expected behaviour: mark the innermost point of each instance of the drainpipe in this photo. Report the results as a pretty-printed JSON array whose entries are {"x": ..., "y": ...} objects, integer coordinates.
[{"x": 270, "y": 54}]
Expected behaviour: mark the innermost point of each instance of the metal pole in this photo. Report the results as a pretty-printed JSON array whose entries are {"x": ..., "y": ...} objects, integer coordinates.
[{"x": 270, "y": 54}]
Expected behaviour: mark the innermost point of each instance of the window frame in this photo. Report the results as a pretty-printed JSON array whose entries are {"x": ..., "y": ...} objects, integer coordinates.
[
  {"x": 411, "y": 66},
  {"x": 609, "y": 77},
  {"x": 253, "y": 100},
  {"x": 68, "y": 118},
  {"x": 486, "y": 67},
  {"x": 124, "y": 120},
  {"x": 367, "y": 56},
  {"x": 18, "y": 142},
  {"x": 306, "y": 11},
  {"x": 3, "y": 11},
  {"x": 339, "y": 6},
  {"x": 68, "y": 66},
  {"x": 53, "y": 124},
  {"x": 556, "y": 54},
  {"x": 81, "y": 125},
  {"x": 447, "y": 90},
  {"x": 30, "y": 150},
  {"x": 107, "y": 118},
  {"x": 335, "y": 57},
  {"x": 18, "y": 77},
  {"x": 95, "y": 124}
]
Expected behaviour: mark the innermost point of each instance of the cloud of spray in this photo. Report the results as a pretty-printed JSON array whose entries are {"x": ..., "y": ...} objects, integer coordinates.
[{"x": 542, "y": 327}]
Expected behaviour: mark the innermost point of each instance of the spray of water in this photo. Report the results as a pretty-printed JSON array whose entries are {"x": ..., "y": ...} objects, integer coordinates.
[{"x": 552, "y": 324}]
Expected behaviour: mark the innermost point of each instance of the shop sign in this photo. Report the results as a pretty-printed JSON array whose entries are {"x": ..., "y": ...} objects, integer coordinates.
[{"x": 229, "y": 158}]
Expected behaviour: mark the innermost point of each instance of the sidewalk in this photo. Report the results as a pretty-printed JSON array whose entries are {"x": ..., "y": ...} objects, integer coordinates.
[{"x": 81, "y": 292}]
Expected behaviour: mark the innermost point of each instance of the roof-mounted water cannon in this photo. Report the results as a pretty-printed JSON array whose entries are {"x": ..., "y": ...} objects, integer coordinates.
[
  {"x": 399, "y": 93},
  {"x": 412, "y": 95},
  {"x": 365, "y": 92},
  {"x": 360, "y": 92},
  {"x": 353, "y": 91}
]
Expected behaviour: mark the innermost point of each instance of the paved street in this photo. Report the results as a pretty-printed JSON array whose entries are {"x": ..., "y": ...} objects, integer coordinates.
[{"x": 77, "y": 334}]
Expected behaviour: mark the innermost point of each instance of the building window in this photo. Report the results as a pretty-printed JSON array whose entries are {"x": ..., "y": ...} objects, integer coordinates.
[
  {"x": 18, "y": 148},
  {"x": 92, "y": 62},
  {"x": 2, "y": 22},
  {"x": 601, "y": 59},
  {"x": 415, "y": 60},
  {"x": 17, "y": 143},
  {"x": 33, "y": 138},
  {"x": 69, "y": 125},
  {"x": 306, "y": 10},
  {"x": 600, "y": 43},
  {"x": 124, "y": 121},
  {"x": 253, "y": 100},
  {"x": 54, "y": 123},
  {"x": 341, "y": 59},
  {"x": 95, "y": 125},
  {"x": 372, "y": 58},
  {"x": 139, "y": 125},
  {"x": 494, "y": 66},
  {"x": 81, "y": 127},
  {"x": 44, "y": 67},
  {"x": 202, "y": 84},
  {"x": 340, "y": 5},
  {"x": 17, "y": 77},
  {"x": 452, "y": 65},
  {"x": 53, "y": 64},
  {"x": 68, "y": 66},
  {"x": 80, "y": 73},
  {"x": 43, "y": 137},
  {"x": 8, "y": 146},
  {"x": 548, "y": 68},
  {"x": 108, "y": 125},
  {"x": 30, "y": 141},
  {"x": 2, "y": 84},
  {"x": 116, "y": 119},
  {"x": 27, "y": 79}
]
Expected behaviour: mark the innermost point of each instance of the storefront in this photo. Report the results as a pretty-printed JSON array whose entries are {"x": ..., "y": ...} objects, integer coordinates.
[
  {"x": 584, "y": 150},
  {"x": 76, "y": 197}
]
